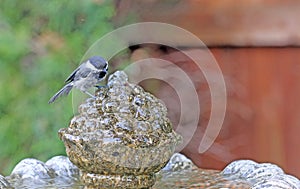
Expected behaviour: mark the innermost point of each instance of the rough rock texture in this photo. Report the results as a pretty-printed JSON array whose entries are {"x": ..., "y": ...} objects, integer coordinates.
[
  {"x": 180, "y": 172},
  {"x": 122, "y": 137},
  {"x": 33, "y": 173},
  {"x": 260, "y": 175}
]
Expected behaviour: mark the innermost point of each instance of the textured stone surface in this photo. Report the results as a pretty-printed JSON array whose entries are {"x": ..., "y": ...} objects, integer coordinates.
[
  {"x": 32, "y": 169},
  {"x": 124, "y": 131},
  {"x": 62, "y": 166},
  {"x": 260, "y": 175},
  {"x": 32, "y": 173},
  {"x": 180, "y": 172}
]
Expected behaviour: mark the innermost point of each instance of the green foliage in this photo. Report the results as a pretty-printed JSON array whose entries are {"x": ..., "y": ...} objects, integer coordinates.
[{"x": 41, "y": 42}]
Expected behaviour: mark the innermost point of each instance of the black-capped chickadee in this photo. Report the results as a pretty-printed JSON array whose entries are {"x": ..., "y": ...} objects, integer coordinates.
[{"x": 87, "y": 75}]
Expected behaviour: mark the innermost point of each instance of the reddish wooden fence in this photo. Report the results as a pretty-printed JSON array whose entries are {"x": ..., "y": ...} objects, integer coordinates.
[{"x": 262, "y": 73}]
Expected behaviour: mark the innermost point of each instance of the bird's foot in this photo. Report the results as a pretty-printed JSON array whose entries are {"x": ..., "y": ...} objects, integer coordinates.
[
  {"x": 101, "y": 86},
  {"x": 90, "y": 94}
]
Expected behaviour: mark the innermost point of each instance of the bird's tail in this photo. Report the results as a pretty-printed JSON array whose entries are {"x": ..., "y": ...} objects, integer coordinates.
[{"x": 64, "y": 91}]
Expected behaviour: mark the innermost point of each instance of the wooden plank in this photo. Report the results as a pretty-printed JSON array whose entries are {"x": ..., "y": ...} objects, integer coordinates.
[
  {"x": 221, "y": 23},
  {"x": 262, "y": 120}
]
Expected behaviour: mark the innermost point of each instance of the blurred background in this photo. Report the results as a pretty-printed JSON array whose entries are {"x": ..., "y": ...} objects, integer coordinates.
[
  {"x": 41, "y": 43},
  {"x": 254, "y": 42}
]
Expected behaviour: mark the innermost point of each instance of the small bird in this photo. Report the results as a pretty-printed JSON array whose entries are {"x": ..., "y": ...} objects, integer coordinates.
[{"x": 87, "y": 75}]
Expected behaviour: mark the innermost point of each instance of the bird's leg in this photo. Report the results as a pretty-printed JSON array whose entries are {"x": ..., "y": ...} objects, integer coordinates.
[
  {"x": 86, "y": 92},
  {"x": 101, "y": 86}
]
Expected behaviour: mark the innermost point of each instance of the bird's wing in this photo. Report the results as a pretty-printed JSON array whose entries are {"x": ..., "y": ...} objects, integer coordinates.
[
  {"x": 78, "y": 73},
  {"x": 71, "y": 76}
]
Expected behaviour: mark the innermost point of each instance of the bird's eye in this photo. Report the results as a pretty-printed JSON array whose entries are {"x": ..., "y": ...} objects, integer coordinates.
[{"x": 102, "y": 74}]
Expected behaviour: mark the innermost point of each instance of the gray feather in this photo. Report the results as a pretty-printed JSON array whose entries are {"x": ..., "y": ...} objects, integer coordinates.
[
  {"x": 64, "y": 91},
  {"x": 82, "y": 73},
  {"x": 72, "y": 76}
]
